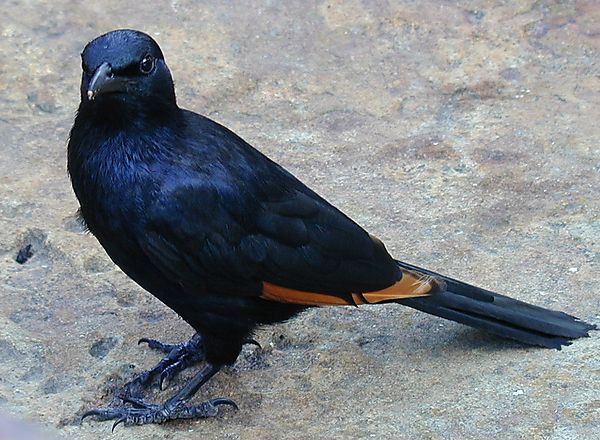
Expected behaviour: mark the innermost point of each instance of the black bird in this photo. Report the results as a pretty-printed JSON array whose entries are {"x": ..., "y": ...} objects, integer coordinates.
[{"x": 229, "y": 239}]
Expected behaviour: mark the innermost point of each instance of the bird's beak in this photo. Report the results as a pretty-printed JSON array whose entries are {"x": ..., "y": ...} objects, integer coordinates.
[{"x": 104, "y": 81}]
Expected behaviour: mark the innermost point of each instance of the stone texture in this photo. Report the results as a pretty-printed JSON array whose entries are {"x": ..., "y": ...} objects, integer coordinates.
[{"x": 463, "y": 134}]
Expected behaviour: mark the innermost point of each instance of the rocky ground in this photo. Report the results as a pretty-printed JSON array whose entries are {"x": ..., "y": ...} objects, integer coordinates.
[{"x": 463, "y": 134}]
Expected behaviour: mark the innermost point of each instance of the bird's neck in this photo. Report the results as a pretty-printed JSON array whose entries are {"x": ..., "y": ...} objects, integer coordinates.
[
  {"x": 108, "y": 153},
  {"x": 116, "y": 114}
]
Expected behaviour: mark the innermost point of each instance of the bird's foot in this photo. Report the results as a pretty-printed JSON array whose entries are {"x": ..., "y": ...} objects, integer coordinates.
[
  {"x": 178, "y": 358},
  {"x": 135, "y": 411},
  {"x": 141, "y": 413}
]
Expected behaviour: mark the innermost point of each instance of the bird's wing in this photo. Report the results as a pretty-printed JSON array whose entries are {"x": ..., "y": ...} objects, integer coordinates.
[
  {"x": 229, "y": 220},
  {"x": 279, "y": 242}
]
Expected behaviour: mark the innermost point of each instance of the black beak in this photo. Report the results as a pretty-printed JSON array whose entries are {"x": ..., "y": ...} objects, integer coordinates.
[{"x": 105, "y": 81}]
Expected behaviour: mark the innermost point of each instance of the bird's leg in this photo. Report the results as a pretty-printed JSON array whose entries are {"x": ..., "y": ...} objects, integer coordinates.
[
  {"x": 140, "y": 412},
  {"x": 178, "y": 358}
]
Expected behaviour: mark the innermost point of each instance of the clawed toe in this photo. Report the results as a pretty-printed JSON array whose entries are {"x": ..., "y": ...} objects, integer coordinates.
[
  {"x": 224, "y": 401},
  {"x": 144, "y": 413},
  {"x": 135, "y": 411},
  {"x": 157, "y": 345},
  {"x": 168, "y": 373},
  {"x": 178, "y": 358},
  {"x": 251, "y": 341}
]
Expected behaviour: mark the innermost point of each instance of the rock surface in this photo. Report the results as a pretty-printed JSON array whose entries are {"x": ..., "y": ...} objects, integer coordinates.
[{"x": 465, "y": 135}]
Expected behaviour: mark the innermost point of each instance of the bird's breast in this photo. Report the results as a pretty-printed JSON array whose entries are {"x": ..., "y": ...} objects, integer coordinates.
[{"x": 112, "y": 187}]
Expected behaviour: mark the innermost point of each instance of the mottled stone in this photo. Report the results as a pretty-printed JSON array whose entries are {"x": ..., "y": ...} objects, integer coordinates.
[{"x": 464, "y": 135}]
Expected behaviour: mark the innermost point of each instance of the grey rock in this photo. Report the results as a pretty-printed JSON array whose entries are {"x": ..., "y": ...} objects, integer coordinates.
[{"x": 465, "y": 136}]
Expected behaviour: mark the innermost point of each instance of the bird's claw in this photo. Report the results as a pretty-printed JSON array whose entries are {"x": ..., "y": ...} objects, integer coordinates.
[
  {"x": 144, "y": 413},
  {"x": 157, "y": 345},
  {"x": 178, "y": 358},
  {"x": 251, "y": 341},
  {"x": 169, "y": 372}
]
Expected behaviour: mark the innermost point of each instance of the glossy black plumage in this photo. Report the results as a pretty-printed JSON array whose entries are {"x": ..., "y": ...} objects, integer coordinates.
[{"x": 202, "y": 220}]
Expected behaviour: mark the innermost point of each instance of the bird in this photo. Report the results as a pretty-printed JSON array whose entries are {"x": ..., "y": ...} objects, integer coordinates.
[{"x": 230, "y": 240}]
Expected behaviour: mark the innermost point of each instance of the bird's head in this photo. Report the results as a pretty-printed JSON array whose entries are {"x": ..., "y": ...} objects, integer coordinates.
[{"x": 125, "y": 67}]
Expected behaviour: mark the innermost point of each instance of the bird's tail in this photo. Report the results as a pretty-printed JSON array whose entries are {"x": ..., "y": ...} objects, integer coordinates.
[{"x": 496, "y": 313}]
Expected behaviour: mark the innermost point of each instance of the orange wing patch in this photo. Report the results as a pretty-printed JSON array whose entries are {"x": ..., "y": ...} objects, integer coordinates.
[
  {"x": 411, "y": 285},
  {"x": 277, "y": 293}
]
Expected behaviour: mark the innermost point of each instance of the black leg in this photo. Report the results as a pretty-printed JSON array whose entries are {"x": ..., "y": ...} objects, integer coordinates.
[
  {"x": 194, "y": 385},
  {"x": 140, "y": 412}
]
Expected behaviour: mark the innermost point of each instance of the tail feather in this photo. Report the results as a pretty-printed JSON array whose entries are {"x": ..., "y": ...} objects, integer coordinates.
[{"x": 498, "y": 314}]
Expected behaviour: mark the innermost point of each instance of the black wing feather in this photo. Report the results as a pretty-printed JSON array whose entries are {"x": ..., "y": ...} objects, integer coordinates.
[{"x": 256, "y": 222}]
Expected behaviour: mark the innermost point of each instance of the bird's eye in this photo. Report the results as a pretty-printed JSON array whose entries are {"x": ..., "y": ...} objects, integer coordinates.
[{"x": 147, "y": 64}]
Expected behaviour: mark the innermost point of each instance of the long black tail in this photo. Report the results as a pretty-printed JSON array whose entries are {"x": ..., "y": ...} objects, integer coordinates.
[{"x": 498, "y": 314}]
